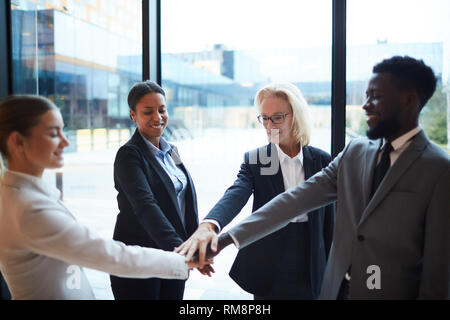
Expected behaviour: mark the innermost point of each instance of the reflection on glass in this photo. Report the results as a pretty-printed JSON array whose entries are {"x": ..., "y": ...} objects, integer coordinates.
[
  {"x": 83, "y": 55},
  {"x": 212, "y": 68},
  {"x": 215, "y": 56},
  {"x": 369, "y": 41}
]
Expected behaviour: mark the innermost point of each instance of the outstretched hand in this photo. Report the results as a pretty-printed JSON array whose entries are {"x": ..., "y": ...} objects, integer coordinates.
[
  {"x": 207, "y": 268},
  {"x": 202, "y": 240}
]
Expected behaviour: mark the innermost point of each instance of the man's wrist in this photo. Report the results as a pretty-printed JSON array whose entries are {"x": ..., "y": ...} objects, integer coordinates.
[{"x": 224, "y": 240}]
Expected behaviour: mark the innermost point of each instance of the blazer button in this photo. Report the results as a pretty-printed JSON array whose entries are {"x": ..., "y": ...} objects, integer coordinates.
[{"x": 361, "y": 237}]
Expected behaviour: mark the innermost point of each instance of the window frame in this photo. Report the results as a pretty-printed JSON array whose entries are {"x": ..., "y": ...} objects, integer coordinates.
[
  {"x": 338, "y": 77},
  {"x": 5, "y": 55},
  {"x": 151, "y": 40}
]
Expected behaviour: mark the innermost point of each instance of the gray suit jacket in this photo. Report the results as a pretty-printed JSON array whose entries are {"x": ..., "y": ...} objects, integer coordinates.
[{"x": 404, "y": 230}]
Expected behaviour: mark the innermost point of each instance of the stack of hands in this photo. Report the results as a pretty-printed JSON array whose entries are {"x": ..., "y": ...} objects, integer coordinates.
[{"x": 203, "y": 245}]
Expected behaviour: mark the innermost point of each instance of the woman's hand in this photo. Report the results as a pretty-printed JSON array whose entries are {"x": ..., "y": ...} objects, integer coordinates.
[{"x": 204, "y": 235}]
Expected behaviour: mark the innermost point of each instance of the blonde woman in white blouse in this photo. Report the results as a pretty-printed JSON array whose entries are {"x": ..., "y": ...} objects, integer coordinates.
[{"x": 42, "y": 247}]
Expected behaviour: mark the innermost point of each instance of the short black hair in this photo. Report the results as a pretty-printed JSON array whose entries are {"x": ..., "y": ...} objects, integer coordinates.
[
  {"x": 410, "y": 73},
  {"x": 141, "y": 89}
]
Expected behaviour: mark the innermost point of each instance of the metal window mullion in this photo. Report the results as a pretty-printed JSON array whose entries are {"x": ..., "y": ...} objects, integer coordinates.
[
  {"x": 151, "y": 40},
  {"x": 5, "y": 53},
  {"x": 338, "y": 81}
]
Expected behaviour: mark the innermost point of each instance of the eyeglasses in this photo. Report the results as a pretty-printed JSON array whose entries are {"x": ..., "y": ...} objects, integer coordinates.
[{"x": 276, "y": 118}]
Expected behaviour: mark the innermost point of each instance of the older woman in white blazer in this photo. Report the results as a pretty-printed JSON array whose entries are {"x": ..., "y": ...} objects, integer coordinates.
[{"x": 42, "y": 247}]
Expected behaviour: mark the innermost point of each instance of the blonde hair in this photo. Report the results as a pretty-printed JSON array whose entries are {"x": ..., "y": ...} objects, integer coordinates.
[{"x": 300, "y": 121}]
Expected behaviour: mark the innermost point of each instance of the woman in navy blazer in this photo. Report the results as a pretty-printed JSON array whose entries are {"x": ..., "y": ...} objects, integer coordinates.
[
  {"x": 43, "y": 248},
  {"x": 156, "y": 195},
  {"x": 290, "y": 263}
]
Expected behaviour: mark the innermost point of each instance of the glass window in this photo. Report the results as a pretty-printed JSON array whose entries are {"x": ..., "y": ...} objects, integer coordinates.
[
  {"x": 380, "y": 29},
  {"x": 85, "y": 56},
  {"x": 215, "y": 56}
]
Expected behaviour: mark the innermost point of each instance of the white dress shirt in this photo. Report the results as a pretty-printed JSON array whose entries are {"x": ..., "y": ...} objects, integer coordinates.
[
  {"x": 399, "y": 145},
  {"x": 179, "y": 180},
  {"x": 293, "y": 174}
]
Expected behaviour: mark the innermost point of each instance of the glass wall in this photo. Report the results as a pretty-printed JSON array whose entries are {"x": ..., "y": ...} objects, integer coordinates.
[
  {"x": 215, "y": 56},
  {"x": 84, "y": 55},
  {"x": 215, "y": 59},
  {"x": 380, "y": 29}
]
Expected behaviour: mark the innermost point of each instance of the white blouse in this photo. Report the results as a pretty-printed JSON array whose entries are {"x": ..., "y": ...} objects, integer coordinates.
[{"x": 43, "y": 248}]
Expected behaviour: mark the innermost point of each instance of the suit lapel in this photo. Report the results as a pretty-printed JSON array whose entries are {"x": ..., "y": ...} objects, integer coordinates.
[
  {"x": 154, "y": 164},
  {"x": 408, "y": 156},
  {"x": 191, "y": 220},
  {"x": 276, "y": 179},
  {"x": 309, "y": 166},
  {"x": 177, "y": 160},
  {"x": 370, "y": 163},
  {"x": 309, "y": 163}
]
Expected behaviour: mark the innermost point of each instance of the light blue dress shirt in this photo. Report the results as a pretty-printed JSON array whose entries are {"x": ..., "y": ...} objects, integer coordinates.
[{"x": 179, "y": 180}]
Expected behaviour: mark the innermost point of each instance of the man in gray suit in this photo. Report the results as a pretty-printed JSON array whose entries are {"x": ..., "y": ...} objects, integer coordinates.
[{"x": 392, "y": 231}]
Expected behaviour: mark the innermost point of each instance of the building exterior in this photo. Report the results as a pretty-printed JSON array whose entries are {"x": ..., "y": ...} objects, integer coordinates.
[{"x": 85, "y": 55}]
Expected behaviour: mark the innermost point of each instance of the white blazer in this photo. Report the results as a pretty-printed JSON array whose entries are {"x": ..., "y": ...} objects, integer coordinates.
[{"x": 43, "y": 247}]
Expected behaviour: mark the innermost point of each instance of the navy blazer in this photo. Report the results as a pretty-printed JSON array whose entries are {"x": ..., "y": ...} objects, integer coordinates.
[
  {"x": 256, "y": 265},
  {"x": 149, "y": 212}
]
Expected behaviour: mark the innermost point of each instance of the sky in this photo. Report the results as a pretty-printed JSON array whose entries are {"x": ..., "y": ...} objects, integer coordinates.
[
  {"x": 196, "y": 25},
  {"x": 244, "y": 24}
]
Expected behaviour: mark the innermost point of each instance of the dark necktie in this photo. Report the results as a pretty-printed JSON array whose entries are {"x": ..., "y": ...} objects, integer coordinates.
[{"x": 382, "y": 167}]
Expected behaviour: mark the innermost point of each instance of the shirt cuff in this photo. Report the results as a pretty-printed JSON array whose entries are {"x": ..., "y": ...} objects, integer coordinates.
[
  {"x": 180, "y": 269},
  {"x": 214, "y": 222}
]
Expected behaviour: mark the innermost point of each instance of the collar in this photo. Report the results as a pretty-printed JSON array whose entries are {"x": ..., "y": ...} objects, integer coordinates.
[
  {"x": 26, "y": 176},
  {"x": 166, "y": 148},
  {"x": 400, "y": 141},
  {"x": 283, "y": 156},
  {"x": 20, "y": 179}
]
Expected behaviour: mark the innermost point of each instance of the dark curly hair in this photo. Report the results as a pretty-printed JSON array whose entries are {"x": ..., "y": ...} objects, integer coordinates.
[{"x": 410, "y": 73}]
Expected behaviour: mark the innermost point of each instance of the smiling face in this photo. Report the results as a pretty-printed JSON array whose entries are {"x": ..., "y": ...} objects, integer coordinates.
[
  {"x": 282, "y": 133},
  {"x": 388, "y": 115},
  {"x": 43, "y": 147},
  {"x": 151, "y": 116}
]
